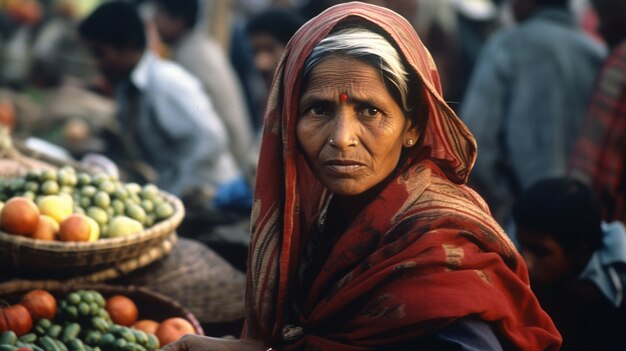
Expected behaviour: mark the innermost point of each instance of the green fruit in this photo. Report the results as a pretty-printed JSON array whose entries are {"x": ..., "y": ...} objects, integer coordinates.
[
  {"x": 28, "y": 338},
  {"x": 50, "y": 187},
  {"x": 72, "y": 311},
  {"x": 147, "y": 205},
  {"x": 107, "y": 340},
  {"x": 70, "y": 332},
  {"x": 85, "y": 202},
  {"x": 34, "y": 175},
  {"x": 158, "y": 200},
  {"x": 102, "y": 199},
  {"x": 83, "y": 309},
  {"x": 133, "y": 188},
  {"x": 100, "y": 324},
  {"x": 73, "y": 298},
  {"x": 48, "y": 344},
  {"x": 31, "y": 186},
  {"x": 8, "y": 338},
  {"x": 29, "y": 195},
  {"x": 153, "y": 342},
  {"x": 164, "y": 210},
  {"x": 87, "y": 295},
  {"x": 93, "y": 337},
  {"x": 150, "y": 218},
  {"x": 44, "y": 323},
  {"x": 120, "y": 192},
  {"x": 140, "y": 336},
  {"x": 149, "y": 191},
  {"x": 60, "y": 345},
  {"x": 66, "y": 189},
  {"x": 48, "y": 174},
  {"x": 128, "y": 335},
  {"x": 122, "y": 226},
  {"x": 54, "y": 331},
  {"x": 100, "y": 178},
  {"x": 118, "y": 206},
  {"x": 108, "y": 187},
  {"x": 88, "y": 191},
  {"x": 67, "y": 177},
  {"x": 99, "y": 299},
  {"x": 84, "y": 179},
  {"x": 75, "y": 345},
  {"x": 136, "y": 212},
  {"x": 120, "y": 345},
  {"x": 94, "y": 309},
  {"x": 99, "y": 215}
]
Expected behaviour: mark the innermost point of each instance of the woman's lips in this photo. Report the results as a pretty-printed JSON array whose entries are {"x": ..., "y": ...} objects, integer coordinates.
[{"x": 343, "y": 167}]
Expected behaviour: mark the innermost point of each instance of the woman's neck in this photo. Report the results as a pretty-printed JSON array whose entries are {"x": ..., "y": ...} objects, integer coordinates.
[{"x": 344, "y": 209}]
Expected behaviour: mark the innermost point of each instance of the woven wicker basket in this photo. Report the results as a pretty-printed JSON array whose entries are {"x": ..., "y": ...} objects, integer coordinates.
[
  {"x": 151, "y": 305},
  {"x": 26, "y": 257}
]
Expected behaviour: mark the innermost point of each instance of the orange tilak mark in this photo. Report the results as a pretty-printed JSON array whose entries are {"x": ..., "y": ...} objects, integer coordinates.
[{"x": 343, "y": 97}]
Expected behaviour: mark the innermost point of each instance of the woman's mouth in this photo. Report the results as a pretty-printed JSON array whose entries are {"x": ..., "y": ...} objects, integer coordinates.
[{"x": 342, "y": 167}]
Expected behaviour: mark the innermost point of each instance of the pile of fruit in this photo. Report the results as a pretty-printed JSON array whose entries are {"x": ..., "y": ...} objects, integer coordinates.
[
  {"x": 75, "y": 206},
  {"x": 83, "y": 321}
]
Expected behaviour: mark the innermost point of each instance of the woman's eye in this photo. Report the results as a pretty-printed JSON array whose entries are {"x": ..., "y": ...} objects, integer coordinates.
[
  {"x": 370, "y": 111},
  {"x": 317, "y": 111}
]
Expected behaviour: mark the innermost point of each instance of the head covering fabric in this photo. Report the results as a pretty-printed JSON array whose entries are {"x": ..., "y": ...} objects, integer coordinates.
[{"x": 424, "y": 253}]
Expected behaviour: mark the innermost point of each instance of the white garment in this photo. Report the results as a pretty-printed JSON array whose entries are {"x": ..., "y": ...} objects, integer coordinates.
[{"x": 178, "y": 132}]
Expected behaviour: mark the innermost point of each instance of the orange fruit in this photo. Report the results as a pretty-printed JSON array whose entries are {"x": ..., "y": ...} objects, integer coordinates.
[
  {"x": 122, "y": 310},
  {"x": 47, "y": 228},
  {"x": 16, "y": 318},
  {"x": 20, "y": 216},
  {"x": 75, "y": 228},
  {"x": 146, "y": 325},
  {"x": 173, "y": 329},
  {"x": 40, "y": 304}
]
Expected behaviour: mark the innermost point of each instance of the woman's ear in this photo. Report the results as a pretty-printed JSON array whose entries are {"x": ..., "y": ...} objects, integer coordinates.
[
  {"x": 411, "y": 134},
  {"x": 416, "y": 122}
]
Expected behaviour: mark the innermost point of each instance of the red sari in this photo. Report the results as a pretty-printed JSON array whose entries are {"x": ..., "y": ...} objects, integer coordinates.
[{"x": 421, "y": 255}]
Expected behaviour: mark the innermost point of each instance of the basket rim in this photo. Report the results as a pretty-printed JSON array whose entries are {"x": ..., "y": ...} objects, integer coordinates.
[{"x": 156, "y": 230}]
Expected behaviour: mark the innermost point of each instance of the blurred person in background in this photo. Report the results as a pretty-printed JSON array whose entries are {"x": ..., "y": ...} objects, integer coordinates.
[
  {"x": 526, "y": 101},
  {"x": 196, "y": 52},
  {"x": 576, "y": 263},
  {"x": 167, "y": 123},
  {"x": 268, "y": 32},
  {"x": 600, "y": 153}
]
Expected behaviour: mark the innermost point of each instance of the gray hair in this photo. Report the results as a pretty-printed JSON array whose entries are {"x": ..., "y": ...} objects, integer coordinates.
[{"x": 368, "y": 46}]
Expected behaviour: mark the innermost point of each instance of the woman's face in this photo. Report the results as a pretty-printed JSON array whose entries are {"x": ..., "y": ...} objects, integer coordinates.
[{"x": 351, "y": 129}]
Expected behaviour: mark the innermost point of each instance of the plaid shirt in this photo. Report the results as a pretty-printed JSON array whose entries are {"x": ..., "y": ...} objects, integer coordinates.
[{"x": 600, "y": 152}]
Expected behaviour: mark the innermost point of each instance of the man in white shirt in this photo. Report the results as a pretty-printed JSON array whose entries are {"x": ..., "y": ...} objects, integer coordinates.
[{"x": 165, "y": 118}]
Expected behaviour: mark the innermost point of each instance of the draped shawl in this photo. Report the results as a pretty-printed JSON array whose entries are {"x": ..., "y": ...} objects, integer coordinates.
[{"x": 424, "y": 253}]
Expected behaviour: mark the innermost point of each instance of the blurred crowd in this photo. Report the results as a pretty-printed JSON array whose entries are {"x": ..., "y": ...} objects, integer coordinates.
[{"x": 173, "y": 93}]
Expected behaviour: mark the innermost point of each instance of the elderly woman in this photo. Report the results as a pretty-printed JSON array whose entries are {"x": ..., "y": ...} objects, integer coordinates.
[{"x": 365, "y": 236}]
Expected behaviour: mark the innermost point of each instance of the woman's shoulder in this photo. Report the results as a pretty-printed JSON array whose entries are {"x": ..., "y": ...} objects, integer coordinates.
[{"x": 446, "y": 194}]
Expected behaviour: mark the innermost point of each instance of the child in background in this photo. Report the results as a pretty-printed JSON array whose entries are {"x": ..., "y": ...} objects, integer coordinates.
[{"x": 576, "y": 263}]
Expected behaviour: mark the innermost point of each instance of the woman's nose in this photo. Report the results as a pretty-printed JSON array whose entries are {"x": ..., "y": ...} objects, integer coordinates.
[{"x": 345, "y": 130}]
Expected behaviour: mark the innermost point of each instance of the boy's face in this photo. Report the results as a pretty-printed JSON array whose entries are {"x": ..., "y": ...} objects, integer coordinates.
[
  {"x": 112, "y": 62},
  {"x": 548, "y": 263}
]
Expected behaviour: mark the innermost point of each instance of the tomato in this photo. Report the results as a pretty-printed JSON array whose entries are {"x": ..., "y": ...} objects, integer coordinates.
[
  {"x": 40, "y": 304},
  {"x": 16, "y": 318}
]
